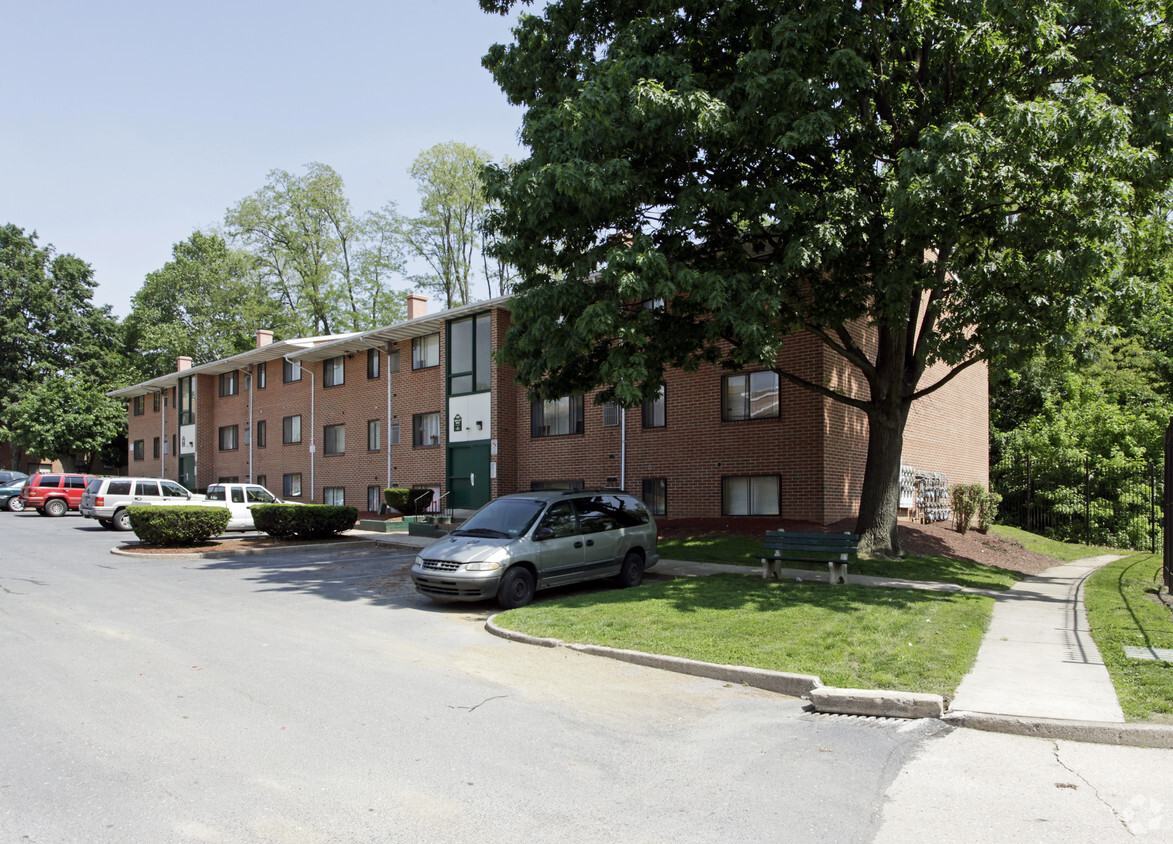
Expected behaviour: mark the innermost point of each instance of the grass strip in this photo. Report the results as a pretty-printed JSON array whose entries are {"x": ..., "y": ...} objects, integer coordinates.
[
  {"x": 1066, "y": 551},
  {"x": 1123, "y": 610},
  {"x": 850, "y": 636},
  {"x": 743, "y": 550}
]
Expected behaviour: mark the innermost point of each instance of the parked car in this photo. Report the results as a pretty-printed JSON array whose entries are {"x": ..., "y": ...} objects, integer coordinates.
[
  {"x": 239, "y": 499},
  {"x": 10, "y": 495},
  {"x": 517, "y": 544},
  {"x": 106, "y": 499},
  {"x": 7, "y": 475},
  {"x": 54, "y": 494}
]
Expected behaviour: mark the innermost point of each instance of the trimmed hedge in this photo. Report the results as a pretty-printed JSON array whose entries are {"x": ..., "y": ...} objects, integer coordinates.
[
  {"x": 303, "y": 521},
  {"x": 405, "y": 500},
  {"x": 177, "y": 525}
]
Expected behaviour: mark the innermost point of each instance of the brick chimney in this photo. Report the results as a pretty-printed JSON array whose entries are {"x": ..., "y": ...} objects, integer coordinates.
[
  {"x": 417, "y": 306},
  {"x": 264, "y": 337},
  {"x": 182, "y": 362}
]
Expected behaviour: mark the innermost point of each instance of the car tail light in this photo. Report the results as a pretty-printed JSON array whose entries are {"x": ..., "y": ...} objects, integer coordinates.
[{"x": 98, "y": 502}]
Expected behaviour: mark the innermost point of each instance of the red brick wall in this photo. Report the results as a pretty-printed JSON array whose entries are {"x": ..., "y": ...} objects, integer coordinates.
[{"x": 816, "y": 447}]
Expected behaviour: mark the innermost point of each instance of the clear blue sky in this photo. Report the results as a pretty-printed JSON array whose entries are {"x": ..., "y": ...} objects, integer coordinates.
[{"x": 128, "y": 124}]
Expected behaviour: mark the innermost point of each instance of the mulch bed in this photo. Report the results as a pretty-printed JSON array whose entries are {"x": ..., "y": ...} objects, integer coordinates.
[{"x": 235, "y": 544}]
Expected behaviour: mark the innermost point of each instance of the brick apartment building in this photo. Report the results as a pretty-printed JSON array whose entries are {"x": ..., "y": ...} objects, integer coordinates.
[{"x": 422, "y": 403}]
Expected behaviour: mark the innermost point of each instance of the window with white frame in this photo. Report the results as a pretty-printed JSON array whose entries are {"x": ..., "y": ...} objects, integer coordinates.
[
  {"x": 750, "y": 395},
  {"x": 655, "y": 495},
  {"x": 556, "y": 418},
  {"x": 291, "y": 371},
  {"x": 262, "y": 376},
  {"x": 291, "y": 429},
  {"x": 228, "y": 437},
  {"x": 229, "y": 384},
  {"x": 334, "y": 372},
  {"x": 262, "y": 437},
  {"x": 654, "y": 415},
  {"x": 334, "y": 495},
  {"x": 425, "y": 430},
  {"x": 753, "y": 495},
  {"x": 374, "y": 499},
  {"x": 334, "y": 438},
  {"x": 291, "y": 485},
  {"x": 425, "y": 351},
  {"x": 373, "y": 359},
  {"x": 374, "y": 434}
]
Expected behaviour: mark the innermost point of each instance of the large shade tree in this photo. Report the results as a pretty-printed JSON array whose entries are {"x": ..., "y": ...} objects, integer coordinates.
[{"x": 913, "y": 183}]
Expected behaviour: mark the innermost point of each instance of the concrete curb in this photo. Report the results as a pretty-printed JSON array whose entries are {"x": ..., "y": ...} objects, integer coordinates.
[
  {"x": 794, "y": 685},
  {"x": 879, "y": 703},
  {"x": 241, "y": 552},
  {"x": 1092, "y": 732}
]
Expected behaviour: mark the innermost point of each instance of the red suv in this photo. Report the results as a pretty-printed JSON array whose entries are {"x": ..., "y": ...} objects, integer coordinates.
[{"x": 54, "y": 494}]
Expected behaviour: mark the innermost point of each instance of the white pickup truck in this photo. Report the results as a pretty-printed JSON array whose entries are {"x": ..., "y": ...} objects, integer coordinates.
[{"x": 238, "y": 498}]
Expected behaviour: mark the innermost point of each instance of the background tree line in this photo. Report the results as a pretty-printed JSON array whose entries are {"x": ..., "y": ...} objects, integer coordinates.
[{"x": 293, "y": 257}]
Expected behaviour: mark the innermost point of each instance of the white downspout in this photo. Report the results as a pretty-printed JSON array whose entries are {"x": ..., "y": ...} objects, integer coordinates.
[
  {"x": 387, "y": 433},
  {"x": 163, "y": 433},
  {"x": 251, "y": 427},
  {"x": 623, "y": 448}
]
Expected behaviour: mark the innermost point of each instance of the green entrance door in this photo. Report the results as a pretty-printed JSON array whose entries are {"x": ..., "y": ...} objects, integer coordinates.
[
  {"x": 468, "y": 475},
  {"x": 187, "y": 470}
]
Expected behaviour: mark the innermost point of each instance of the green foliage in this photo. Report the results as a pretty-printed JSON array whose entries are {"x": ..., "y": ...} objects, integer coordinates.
[
  {"x": 206, "y": 303},
  {"x": 850, "y": 636},
  {"x": 448, "y": 232},
  {"x": 1122, "y": 611},
  {"x": 969, "y": 500},
  {"x": 58, "y": 352},
  {"x": 186, "y": 525},
  {"x": 770, "y": 168},
  {"x": 987, "y": 510},
  {"x": 329, "y": 268},
  {"x": 409, "y": 502},
  {"x": 64, "y": 415},
  {"x": 303, "y": 521}
]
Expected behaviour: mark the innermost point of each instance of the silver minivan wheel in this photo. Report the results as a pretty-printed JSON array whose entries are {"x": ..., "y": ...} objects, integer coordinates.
[
  {"x": 631, "y": 573},
  {"x": 121, "y": 520},
  {"x": 517, "y": 588}
]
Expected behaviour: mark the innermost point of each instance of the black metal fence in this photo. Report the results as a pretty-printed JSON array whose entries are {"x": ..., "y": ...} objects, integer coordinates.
[{"x": 1097, "y": 503}]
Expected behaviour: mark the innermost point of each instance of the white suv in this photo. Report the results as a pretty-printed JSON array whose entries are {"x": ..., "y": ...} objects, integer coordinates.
[{"x": 106, "y": 499}]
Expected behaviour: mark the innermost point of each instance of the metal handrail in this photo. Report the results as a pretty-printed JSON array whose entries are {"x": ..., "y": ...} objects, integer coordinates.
[{"x": 440, "y": 501}]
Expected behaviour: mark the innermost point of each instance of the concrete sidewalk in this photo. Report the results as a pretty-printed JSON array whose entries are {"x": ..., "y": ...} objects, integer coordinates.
[{"x": 1038, "y": 659}]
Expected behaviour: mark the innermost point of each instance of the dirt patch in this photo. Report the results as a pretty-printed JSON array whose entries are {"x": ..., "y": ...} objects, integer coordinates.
[
  {"x": 243, "y": 543},
  {"x": 940, "y": 539}
]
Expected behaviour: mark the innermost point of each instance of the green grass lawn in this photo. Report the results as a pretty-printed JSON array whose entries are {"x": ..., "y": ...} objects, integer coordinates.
[
  {"x": 850, "y": 636},
  {"x": 1122, "y": 611},
  {"x": 743, "y": 550},
  {"x": 1065, "y": 551}
]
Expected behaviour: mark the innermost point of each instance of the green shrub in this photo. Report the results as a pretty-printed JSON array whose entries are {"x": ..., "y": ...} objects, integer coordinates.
[
  {"x": 409, "y": 502},
  {"x": 987, "y": 511},
  {"x": 969, "y": 500},
  {"x": 303, "y": 521},
  {"x": 177, "y": 525}
]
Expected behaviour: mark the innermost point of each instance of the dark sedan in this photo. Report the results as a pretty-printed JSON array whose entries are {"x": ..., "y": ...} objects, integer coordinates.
[{"x": 10, "y": 495}]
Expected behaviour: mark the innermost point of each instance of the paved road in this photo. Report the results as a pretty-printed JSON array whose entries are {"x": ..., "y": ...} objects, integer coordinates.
[{"x": 300, "y": 698}]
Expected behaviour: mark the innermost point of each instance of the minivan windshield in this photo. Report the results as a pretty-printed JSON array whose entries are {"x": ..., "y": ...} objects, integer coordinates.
[{"x": 506, "y": 518}]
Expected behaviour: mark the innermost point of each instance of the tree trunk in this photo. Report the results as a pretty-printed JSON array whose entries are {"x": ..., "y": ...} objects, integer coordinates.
[{"x": 879, "y": 505}]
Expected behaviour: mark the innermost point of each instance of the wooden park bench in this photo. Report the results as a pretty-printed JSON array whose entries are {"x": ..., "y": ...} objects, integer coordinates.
[{"x": 786, "y": 546}]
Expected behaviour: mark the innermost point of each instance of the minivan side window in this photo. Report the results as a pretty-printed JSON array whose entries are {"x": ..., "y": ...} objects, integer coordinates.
[
  {"x": 560, "y": 519},
  {"x": 173, "y": 490},
  {"x": 50, "y": 480},
  {"x": 597, "y": 514},
  {"x": 146, "y": 488},
  {"x": 75, "y": 482},
  {"x": 118, "y": 488}
]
